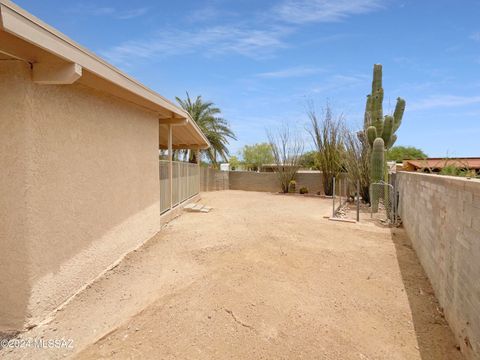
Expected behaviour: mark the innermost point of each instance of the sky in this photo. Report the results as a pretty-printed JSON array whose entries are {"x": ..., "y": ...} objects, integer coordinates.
[{"x": 263, "y": 62}]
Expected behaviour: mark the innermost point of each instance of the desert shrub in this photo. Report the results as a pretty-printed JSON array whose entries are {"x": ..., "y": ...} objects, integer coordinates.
[
  {"x": 292, "y": 186},
  {"x": 287, "y": 148},
  {"x": 453, "y": 170},
  {"x": 303, "y": 190},
  {"x": 357, "y": 161},
  {"x": 327, "y": 134}
]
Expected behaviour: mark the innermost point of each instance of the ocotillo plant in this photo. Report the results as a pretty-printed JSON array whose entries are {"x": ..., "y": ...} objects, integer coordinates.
[{"x": 377, "y": 126}]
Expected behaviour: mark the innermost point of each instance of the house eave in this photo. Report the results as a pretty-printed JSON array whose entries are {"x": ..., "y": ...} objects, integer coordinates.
[{"x": 34, "y": 41}]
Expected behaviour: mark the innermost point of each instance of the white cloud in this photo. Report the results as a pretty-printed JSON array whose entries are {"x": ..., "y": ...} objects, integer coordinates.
[
  {"x": 130, "y": 14},
  {"x": 340, "y": 82},
  {"x": 443, "y": 101},
  {"x": 309, "y": 11},
  {"x": 209, "y": 13},
  {"x": 298, "y": 71},
  {"x": 108, "y": 11},
  {"x": 475, "y": 36},
  {"x": 253, "y": 37},
  {"x": 207, "y": 42},
  {"x": 204, "y": 14}
]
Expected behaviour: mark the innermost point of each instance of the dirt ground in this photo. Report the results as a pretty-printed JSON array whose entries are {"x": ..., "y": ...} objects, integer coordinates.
[{"x": 262, "y": 276}]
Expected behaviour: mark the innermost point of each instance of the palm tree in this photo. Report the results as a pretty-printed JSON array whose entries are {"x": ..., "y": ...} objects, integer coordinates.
[{"x": 216, "y": 129}]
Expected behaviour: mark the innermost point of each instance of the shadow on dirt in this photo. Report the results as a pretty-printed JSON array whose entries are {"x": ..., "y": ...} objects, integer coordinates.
[{"x": 435, "y": 339}]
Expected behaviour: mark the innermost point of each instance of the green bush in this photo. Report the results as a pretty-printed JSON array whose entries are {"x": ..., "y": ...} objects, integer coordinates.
[
  {"x": 453, "y": 170},
  {"x": 292, "y": 186},
  {"x": 303, "y": 190}
]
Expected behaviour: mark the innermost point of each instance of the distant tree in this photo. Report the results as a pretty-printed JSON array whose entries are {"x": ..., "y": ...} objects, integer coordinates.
[
  {"x": 209, "y": 120},
  {"x": 234, "y": 162},
  {"x": 400, "y": 153},
  {"x": 254, "y": 156},
  {"x": 309, "y": 160}
]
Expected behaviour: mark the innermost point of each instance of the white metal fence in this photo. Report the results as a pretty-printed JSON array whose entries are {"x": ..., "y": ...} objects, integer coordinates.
[{"x": 185, "y": 183}]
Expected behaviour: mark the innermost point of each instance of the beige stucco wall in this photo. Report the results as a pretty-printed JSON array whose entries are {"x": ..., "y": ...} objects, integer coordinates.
[
  {"x": 79, "y": 188},
  {"x": 441, "y": 215},
  {"x": 14, "y": 282}
]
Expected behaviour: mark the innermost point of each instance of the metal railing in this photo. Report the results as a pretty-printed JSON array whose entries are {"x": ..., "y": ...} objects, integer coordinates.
[
  {"x": 185, "y": 183},
  {"x": 345, "y": 190},
  {"x": 383, "y": 198}
]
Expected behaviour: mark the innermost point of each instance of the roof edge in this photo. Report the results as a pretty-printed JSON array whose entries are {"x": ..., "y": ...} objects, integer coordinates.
[
  {"x": 18, "y": 22},
  {"x": 22, "y": 24}
]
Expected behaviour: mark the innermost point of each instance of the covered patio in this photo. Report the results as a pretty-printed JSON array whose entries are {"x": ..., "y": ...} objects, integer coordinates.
[{"x": 179, "y": 180}]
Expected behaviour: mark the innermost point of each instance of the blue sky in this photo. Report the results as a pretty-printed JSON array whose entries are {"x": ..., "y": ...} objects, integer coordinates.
[{"x": 261, "y": 62}]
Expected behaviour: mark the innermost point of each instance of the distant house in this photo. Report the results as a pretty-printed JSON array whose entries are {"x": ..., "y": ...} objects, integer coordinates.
[
  {"x": 437, "y": 164},
  {"x": 81, "y": 181}
]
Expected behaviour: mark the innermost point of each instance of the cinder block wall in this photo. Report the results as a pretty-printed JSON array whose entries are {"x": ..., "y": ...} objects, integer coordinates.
[
  {"x": 441, "y": 215},
  {"x": 213, "y": 180},
  {"x": 312, "y": 181},
  {"x": 253, "y": 181},
  {"x": 268, "y": 182}
]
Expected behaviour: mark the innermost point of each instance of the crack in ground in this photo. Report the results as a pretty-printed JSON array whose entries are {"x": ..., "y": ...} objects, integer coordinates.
[{"x": 239, "y": 321}]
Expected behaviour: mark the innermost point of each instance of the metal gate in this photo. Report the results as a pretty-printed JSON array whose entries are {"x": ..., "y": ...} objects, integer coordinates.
[{"x": 383, "y": 199}]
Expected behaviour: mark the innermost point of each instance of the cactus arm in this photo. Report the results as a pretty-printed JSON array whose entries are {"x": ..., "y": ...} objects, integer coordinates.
[
  {"x": 377, "y": 168},
  {"x": 387, "y": 129},
  {"x": 377, "y": 77},
  {"x": 377, "y": 99},
  {"x": 371, "y": 134},
  {"x": 377, "y": 111},
  {"x": 378, "y": 160},
  {"x": 398, "y": 113},
  {"x": 392, "y": 141},
  {"x": 367, "y": 120}
]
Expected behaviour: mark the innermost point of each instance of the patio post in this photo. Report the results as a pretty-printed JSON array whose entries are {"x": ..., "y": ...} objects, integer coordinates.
[
  {"x": 170, "y": 163},
  {"x": 197, "y": 156}
]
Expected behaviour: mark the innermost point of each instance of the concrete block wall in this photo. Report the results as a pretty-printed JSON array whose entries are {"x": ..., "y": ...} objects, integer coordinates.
[
  {"x": 441, "y": 215},
  {"x": 311, "y": 180},
  {"x": 268, "y": 182},
  {"x": 213, "y": 180},
  {"x": 253, "y": 181}
]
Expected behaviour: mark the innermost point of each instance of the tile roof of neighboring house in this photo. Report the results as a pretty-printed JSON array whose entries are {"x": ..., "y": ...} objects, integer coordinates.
[{"x": 440, "y": 163}]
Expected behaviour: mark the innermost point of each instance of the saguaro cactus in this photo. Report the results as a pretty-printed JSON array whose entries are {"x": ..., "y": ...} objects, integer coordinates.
[
  {"x": 377, "y": 167},
  {"x": 376, "y": 125},
  {"x": 380, "y": 127}
]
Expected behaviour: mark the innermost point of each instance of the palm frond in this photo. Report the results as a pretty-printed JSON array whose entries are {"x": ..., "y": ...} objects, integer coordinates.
[{"x": 216, "y": 129}]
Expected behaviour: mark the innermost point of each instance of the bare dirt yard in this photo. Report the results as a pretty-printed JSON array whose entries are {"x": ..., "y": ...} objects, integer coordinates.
[{"x": 262, "y": 276}]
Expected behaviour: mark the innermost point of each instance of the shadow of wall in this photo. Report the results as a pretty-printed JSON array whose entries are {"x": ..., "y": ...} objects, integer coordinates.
[{"x": 434, "y": 336}]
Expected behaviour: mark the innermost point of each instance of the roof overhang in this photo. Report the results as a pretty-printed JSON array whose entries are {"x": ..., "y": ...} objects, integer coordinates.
[{"x": 56, "y": 59}]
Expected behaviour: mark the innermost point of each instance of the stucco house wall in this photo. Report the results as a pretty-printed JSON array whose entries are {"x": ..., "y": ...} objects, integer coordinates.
[{"x": 79, "y": 188}]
